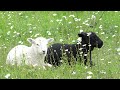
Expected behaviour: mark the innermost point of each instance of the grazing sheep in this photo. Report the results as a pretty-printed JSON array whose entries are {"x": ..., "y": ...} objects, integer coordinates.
[
  {"x": 57, "y": 50},
  {"x": 33, "y": 55}
]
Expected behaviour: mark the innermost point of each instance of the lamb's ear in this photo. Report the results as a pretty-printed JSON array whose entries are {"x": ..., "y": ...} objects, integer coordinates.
[
  {"x": 50, "y": 40},
  {"x": 30, "y": 40},
  {"x": 82, "y": 34}
]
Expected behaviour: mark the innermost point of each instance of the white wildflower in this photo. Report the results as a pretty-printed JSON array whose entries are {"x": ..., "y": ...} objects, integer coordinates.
[
  {"x": 103, "y": 72},
  {"x": 96, "y": 32},
  {"x": 4, "y": 47},
  {"x": 30, "y": 31},
  {"x": 103, "y": 33},
  {"x": 69, "y": 22},
  {"x": 102, "y": 59},
  {"x": 54, "y": 14},
  {"x": 54, "y": 50},
  {"x": 77, "y": 26},
  {"x": 66, "y": 50},
  {"x": 93, "y": 17},
  {"x": 60, "y": 20},
  {"x": 116, "y": 26},
  {"x": 79, "y": 19},
  {"x": 88, "y": 77},
  {"x": 84, "y": 45},
  {"x": 14, "y": 32},
  {"x": 83, "y": 23},
  {"x": 89, "y": 45},
  {"x": 87, "y": 24},
  {"x": 9, "y": 17},
  {"x": 57, "y": 20},
  {"x": 86, "y": 21},
  {"x": 85, "y": 54},
  {"x": 36, "y": 35},
  {"x": 73, "y": 73},
  {"x": 64, "y": 17},
  {"x": 7, "y": 75},
  {"x": 51, "y": 20},
  {"x": 61, "y": 40},
  {"x": 80, "y": 50},
  {"x": 100, "y": 19},
  {"x": 109, "y": 49},
  {"x": 88, "y": 18},
  {"x": 8, "y": 33},
  {"x": 73, "y": 41},
  {"x": 34, "y": 27},
  {"x": 81, "y": 30},
  {"x": 48, "y": 32},
  {"x": 119, "y": 53},
  {"x": 100, "y": 26},
  {"x": 9, "y": 23},
  {"x": 11, "y": 27},
  {"x": 109, "y": 62},
  {"x": 20, "y": 42},
  {"x": 80, "y": 26},
  {"x": 86, "y": 67},
  {"x": 71, "y": 15},
  {"x": 26, "y": 16},
  {"x": 76, "y": 19},
  {"x": 17, "y": 34},
  {"x": 113, "y": 35},
  {"x": 118, "y": 49},
  {"x": 61, "y": 60},
  {"x": 19, "y": 13},
  {"x": 89, "y": 72},
  {"x": 29, "y": 24}
]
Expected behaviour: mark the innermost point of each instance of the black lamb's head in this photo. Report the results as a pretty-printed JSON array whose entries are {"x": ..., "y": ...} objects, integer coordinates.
[{"x": 91, "y": 39}]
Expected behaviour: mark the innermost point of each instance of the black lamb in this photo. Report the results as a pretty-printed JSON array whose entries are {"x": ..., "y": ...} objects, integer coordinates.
[{"x": 87, "y": 43}]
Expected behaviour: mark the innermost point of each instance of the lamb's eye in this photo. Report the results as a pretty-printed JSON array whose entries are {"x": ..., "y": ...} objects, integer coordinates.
[{"x": 37, "y": 44}]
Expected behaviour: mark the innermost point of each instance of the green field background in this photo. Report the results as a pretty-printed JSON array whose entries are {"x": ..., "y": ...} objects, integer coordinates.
[{"x": 17, "y": 26}]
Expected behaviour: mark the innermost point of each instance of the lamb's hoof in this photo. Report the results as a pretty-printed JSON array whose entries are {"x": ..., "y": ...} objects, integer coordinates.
[{"x": 49, "y": 65}]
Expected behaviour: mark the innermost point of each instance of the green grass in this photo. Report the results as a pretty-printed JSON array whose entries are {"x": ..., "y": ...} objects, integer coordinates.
[{"x": 17, "y": 26}]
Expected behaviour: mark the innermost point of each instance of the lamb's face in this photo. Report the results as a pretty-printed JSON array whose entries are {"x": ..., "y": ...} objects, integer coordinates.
[
  {"x": 40, "y": 44},
  {"x": 95, "y": 40},
  {"x": 91, "y": 38}
]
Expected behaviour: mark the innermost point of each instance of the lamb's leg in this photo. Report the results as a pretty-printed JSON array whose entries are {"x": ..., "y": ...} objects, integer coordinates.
[
  {"x": 80, "y": 59},
  {"x": 69, "y": 59},
  {"x": 90, "y": 59},
  {"x": 85, "y": 58}
]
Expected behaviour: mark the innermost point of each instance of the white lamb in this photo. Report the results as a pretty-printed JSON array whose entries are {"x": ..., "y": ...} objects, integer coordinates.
[{"x": 33, "y": 55}]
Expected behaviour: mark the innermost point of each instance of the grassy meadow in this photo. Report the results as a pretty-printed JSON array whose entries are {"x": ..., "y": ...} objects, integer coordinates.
[{"x": 63, "y": 26}]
